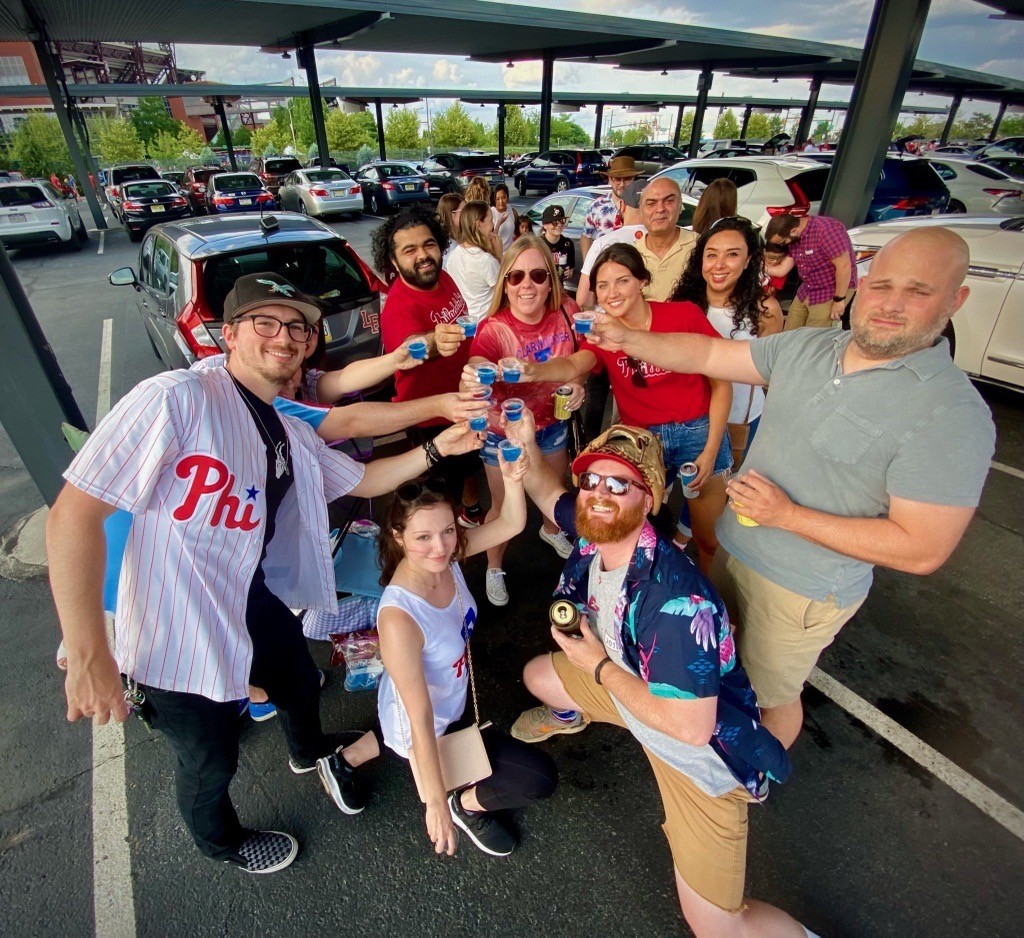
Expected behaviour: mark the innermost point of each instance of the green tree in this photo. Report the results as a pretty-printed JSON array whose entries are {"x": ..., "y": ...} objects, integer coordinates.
[
  {"x": 151, "y": 118},
  {"x": 759, "y": 127},
  {"x": 521, "y": 131},
  {"x": 241, "y": 136},
  {"x": 38, "y": 147},
  {"x": 1012, "y": 126},
  {"x": 267, "y": 134},
  {"x": 270, "y": 149},
  {"x": 629, "y": 136},
  {"x": 402, "y": 129},
  {"x": 977, "y": 126},
  {"x": 822, "y": 130},
  {"x": 727, "y": 127},
  {"x": 925, "y": 126},
  {"x": 348, "y": 132},
  {"x": 686, "y": 128},
  {"x": 567, "y": 132},
  {"x": 118, "y": 141},
  {"x": 453, "y": 127}
]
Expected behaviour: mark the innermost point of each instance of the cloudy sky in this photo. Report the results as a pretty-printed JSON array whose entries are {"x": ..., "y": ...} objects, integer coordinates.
[{"x": 958, "y": 32}]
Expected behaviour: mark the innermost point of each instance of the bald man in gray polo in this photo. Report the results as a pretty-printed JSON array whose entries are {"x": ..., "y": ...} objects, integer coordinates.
[{"x": 873, "y": 448}]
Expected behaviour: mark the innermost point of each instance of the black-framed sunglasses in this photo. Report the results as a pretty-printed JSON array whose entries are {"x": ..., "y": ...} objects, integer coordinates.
[
  {"x": 614, "y": 485},
  {"x": 414, "y": 490},
  {"x": 270, "y": 326},
  {"x": 636, "y": 374},
  {"x": 738, "y": 219},
  {"x": 538, "y": 275}
]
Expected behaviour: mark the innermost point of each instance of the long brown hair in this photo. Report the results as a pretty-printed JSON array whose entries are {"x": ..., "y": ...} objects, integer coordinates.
[
  {"x": 448, "y": 203},
  {"x": 718, "y": 200},
  {"x": 473, "y": 213},
  {"x": 524, "y": 243},
  {"x": 422, "y": 493}
]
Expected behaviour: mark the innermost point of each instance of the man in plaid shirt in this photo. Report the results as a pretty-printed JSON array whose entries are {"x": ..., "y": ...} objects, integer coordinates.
[{"x": 821, "y": 250}]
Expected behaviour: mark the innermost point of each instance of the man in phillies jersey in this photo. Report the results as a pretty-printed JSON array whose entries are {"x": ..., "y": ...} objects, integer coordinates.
[{"x": 229, "y": 504}]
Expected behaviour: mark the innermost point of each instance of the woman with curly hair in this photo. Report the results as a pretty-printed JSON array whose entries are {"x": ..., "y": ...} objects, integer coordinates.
[{"x": 723, "y": 277}]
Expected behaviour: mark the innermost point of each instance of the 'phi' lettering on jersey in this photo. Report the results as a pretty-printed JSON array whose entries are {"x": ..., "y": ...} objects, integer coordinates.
[{"x": 208, "y": 476}]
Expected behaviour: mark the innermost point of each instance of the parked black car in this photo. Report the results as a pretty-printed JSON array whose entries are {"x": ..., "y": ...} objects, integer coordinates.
[
  {"x": 117, "y": 176},
  {"x": 558, "y": 170},
  {"x": 273, "y": 169},
  {"x": 452, "y": 172},
  {"x": 651, "y": 158},
  {"x": 145, "y": 204},
  {"x": 386, "y": 186}
]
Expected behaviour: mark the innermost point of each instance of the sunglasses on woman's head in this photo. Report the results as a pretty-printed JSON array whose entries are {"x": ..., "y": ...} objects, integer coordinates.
[
  {"x": 614, "y": 485},
  {"x": 538, "y": 275},
  {"x": 413, "y": 490}
]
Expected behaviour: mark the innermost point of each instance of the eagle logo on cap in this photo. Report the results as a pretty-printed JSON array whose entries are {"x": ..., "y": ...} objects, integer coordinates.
[{"x": 285, "y": 289}]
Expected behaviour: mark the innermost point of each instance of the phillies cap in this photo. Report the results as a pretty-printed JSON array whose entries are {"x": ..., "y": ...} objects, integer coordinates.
[
  {"x": 268, "y": 289},
  {"x": 552, "y": 214}
]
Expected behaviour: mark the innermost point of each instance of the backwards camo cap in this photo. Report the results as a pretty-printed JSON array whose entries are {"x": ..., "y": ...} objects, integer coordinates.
[{"x": 268, "y": 289}]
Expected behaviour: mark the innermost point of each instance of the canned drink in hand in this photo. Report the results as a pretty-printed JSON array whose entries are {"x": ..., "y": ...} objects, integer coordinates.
[
  {"x": 562, "y": 396},
  {"x": 565, "y": 617},
  {"x": 687, "y": 473}
]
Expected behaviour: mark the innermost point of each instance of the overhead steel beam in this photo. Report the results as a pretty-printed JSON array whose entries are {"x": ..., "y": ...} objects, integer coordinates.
[
  {"x": 995, "y": 124},
  {"x": 547, "y": 76},
  {"x": 306, "y": 57},
  {"x": 344, "y": 28},
  {"x": 803, "y": 131},
  {"x": 703, "y": 89},
  {"x": 222, "y": 116},
  {"x": 381, "y": 147},
  {"x": 947, "y": 128},
  {"x": 501, "y": 135},
  {"x": 894, "y": 35}
]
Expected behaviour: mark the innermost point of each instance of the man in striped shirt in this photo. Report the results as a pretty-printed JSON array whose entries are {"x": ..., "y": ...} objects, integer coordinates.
[{"x": 229, "y": 531}]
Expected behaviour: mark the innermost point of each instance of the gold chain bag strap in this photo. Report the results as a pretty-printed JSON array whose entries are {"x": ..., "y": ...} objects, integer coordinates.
[{"x": 461, "y": 754}]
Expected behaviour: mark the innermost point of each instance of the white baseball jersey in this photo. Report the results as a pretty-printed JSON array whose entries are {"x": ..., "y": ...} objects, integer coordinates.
[{"x": 182, "y": 454}]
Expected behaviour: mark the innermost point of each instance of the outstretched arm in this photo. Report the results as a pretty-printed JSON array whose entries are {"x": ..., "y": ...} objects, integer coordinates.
[
  {"x": 379, "y": 418},
  {"x": 512, "y": 518},
  {"x": 542, "y": 485},
  {"x": 363, "y": 374}
]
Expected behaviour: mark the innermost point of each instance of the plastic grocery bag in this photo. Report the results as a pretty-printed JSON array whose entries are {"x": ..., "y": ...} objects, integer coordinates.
[{"x": 361, "y": 653}]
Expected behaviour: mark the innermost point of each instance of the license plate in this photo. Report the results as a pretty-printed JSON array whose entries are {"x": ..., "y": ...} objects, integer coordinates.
[
  {"x": 337, "y": 192},
  {"x": 17, "y": 219},
  {"x": 245, "y": 201},
  {"x": 156, "y": 208},
  {"x": 409, "y": 188}
]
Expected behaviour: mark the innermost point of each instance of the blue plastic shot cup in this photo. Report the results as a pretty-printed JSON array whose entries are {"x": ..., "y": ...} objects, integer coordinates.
[
  {"x": 510, "y": 451},
  {"x": 486, "y": 373},
  {"x": 418, "y": 349},
  {"x": 513, "y": 409}
]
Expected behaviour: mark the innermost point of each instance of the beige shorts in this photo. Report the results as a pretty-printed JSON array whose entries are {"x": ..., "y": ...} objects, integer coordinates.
[
  {"x": 818, "y": 316},
  {"x": 707, "y": 836},
  {"x": 779, "y": 634}
]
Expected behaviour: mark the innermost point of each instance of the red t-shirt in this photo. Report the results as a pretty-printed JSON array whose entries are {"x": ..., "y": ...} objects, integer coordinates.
[
  {"x": 503, "y": 336},
  {"x": 669, "y": 397},
  {"x": 408, "y": 311}
]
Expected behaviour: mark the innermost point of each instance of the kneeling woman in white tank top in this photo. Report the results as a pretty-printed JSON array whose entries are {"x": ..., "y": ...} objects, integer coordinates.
[{"x": 426, "y": 617}]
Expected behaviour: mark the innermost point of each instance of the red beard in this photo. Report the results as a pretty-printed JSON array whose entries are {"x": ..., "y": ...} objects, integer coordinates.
[{"x": 617, "y": 527}]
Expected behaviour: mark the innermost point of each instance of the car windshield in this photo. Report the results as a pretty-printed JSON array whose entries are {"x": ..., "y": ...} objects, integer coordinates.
[
  {"x": 394, "y": 170},
  {"x": 12, "y": 196},
  {"x": 203, "y": 175},
  {"x": 133, "y": 173},
  {"x": 327, "y": 175},
  {"x": 237, "y": 182},
  {"x": 478, "y": 162},
  {"x": 145, "y": 190},
  {"x": 326, "y": 271},
  {"x": 280, "y": 167}
]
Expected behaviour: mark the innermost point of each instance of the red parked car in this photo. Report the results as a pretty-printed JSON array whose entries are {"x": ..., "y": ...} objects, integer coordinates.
[{"x": 194, "y": 183}]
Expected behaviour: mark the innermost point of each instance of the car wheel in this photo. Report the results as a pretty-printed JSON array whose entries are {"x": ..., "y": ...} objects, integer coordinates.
[
  {"x": 302, "y": 208},
  {"x": 82, "y": 234},
  {"x": 375, "y": 204},
  {"x": 521, "y": 186},
  {"x": 561, "y": 184},
  {"x": 956, "y": 208}
]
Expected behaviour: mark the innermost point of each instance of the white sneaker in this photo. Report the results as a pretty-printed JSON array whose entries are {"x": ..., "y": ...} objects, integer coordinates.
[
  {"x": 561, "y": 544},
  {"x": 496, "y": 592}
]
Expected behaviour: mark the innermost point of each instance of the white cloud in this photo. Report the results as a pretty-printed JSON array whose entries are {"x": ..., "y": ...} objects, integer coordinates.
[
  {"x": 524, "y": 73},
  {"x": 1008, "y": 68},
  {"x": 445, "y": 70}
]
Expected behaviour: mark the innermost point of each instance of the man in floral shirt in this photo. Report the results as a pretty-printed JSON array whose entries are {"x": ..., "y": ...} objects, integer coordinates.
[
  {"x": 657, "y": 657},
  {"x": 605, "y": 213}
]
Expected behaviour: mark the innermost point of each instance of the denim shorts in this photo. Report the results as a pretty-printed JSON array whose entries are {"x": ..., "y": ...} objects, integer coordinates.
[
  {"x": 552, "y": 439},
  {"x": 685, "y": 441}
]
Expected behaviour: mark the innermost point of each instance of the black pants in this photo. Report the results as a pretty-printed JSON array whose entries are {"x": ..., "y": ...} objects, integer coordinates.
[{"x": 204, "y": 733}]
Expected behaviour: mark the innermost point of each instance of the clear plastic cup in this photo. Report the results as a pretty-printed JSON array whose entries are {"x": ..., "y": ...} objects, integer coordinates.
[
  {"x": 468, "y": 326},
  {"x": 511, "y": 370},
  {"x": 418, "y": 349},
  {"x": 478, "y": 424},
  {"x": 582, "y": 322},
  {"x": 513, "y": 409},
  {"x": 486, "y": 373},
  {"x": 510, "y": 451}
]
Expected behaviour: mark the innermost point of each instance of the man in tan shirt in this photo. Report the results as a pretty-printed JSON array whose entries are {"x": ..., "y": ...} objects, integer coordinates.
[{"x": 665, "y": 248}]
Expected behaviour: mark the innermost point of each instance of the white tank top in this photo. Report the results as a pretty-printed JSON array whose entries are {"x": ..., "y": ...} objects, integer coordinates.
[
  {"x": 445, "y": 632},
  {"x": 742, "y": 394}
]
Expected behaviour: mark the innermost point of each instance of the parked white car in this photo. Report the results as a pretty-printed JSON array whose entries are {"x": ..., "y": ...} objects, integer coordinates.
[
  {"x": 33, "y": 212},
  {"x": 766, "y": 185},
  {"x": 987, "y": 333},
  {"x": 978, "y": 187},
  {"x": 319, "y": 192}
]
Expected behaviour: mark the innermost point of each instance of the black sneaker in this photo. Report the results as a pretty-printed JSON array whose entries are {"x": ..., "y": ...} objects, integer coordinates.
[
  {"x": 268, "y": 851},
  {"x": 338, "y": 740},
  {"x": 485, "y": 830},
  {"x": 340, "y": 783}
]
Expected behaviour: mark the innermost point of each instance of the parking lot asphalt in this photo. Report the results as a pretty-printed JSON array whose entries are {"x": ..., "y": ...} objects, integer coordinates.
[{"x": 864, "y": 840}]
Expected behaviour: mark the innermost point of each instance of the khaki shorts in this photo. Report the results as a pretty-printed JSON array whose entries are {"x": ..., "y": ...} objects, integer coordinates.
[
  {"x": 779, "y": 634},
  {"x": 818, "y": 316},
  {"x": 707, "y": 836}
]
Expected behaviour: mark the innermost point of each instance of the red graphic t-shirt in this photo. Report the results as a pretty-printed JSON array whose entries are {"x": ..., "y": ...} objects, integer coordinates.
[
  {"x": 669, "y": 397},
  {"x": 408, "y": 311},
  {"x": 504, "y": 336}
]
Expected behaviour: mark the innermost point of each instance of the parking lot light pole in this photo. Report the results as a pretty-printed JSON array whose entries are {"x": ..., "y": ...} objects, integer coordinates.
[
  {"x": 703, "y": 89},
  {"x": 947, "y": 128},
  {"x": 597, "y": 126},
  {"x": 894, "y": 34},
  {"x": 35, "y": 398},
  {"x": 305, "y": 57},
  {"x": 547, "y": 76}
]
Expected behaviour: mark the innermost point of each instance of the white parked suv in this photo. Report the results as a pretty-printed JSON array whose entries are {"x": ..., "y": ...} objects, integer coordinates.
[
  {"x": 767, "y": 185},
  {"x": 33, "y": 212},
  {"x": 978, "y": 187}
]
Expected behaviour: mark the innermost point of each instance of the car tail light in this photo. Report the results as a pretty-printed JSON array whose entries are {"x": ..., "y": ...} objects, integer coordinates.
[
  {"x": 115, "y": 191},
  {"x": 193, "y": 322},
  {"x": 1004, "y": 193},
  {"x": 197, "y": 186},
  {"x": 45, "y": 203},
  {"x": 862, "y": 253},
  {"x": 801, "y": 205},
  {"x": 319, "y": 192},
  {"x": 390, "y": 186},
  {"x": 468, "y": 173},
  {"x": 355, "y": 190},
  {"x": 222, "y": 200},
  {"x": 911, "y": 202},
  {"x": 128, "y": 206},
  {"x": 426, "y": 187},
  {"x": 264, "y": 197},
  {"x": 177, "y": 200},
  {"x": 579, "y": 166}
]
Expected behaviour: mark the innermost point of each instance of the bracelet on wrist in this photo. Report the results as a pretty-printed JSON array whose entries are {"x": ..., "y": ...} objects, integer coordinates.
[
  {"x": 600, "y": 665},
  {"x": 432, "y": 453}
]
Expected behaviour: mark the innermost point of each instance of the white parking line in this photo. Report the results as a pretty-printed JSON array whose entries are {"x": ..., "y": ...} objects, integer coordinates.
[
  {"x": 103, "y": 239},
  {"x": 995, "y": 806},
  {"x": 112, "y": 897},
  {"x": 1009, "y": 470}
]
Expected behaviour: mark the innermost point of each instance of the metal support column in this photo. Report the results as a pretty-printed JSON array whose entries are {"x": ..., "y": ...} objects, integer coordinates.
[
  {"x": 34, "y": 396},
  {"x": 306, "y": 59},
  {"x": 995, "y": 124},
  {"x": 61, "y": 106},
  {"x": 597, "y": 126},
  {"x": 894, "y": 35},
  {"x": 501, "y": 135},
  {"x": 381, "y": 148},
  {"x": 679, "y": 125},
  {"x": 746, "y": 121},
  {"x": 222, "y": 116},
  {"x": 803, "y": 131},
  {"x": 547, "y": 76},
  {"x": 703, "y": 89},
  {"x": 954, "y": 106}
]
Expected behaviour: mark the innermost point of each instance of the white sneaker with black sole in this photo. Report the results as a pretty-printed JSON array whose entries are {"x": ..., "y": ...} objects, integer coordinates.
[
  {"x": 267, "y": 852},
  {"x": 497, "y": 594},
  {"x": 558, "y": 540},
  {"x": 485, "y": 830}
]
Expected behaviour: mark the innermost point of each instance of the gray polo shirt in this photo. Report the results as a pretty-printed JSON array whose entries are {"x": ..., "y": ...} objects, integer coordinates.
[{"x": 914, "y": 428}]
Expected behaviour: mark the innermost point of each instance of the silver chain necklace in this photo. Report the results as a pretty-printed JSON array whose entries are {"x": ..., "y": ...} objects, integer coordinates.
[{"x": 280, "y": 449}]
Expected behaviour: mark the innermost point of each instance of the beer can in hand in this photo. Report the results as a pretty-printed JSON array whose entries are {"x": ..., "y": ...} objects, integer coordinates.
[
  {"x": 562, "y": 396},
  {"x": 687, "y": 473},
  {"x": 565, "y": 617}
]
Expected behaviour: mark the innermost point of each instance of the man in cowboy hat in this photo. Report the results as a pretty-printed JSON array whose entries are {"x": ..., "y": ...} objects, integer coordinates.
[{"x": 606, "y": 213}]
